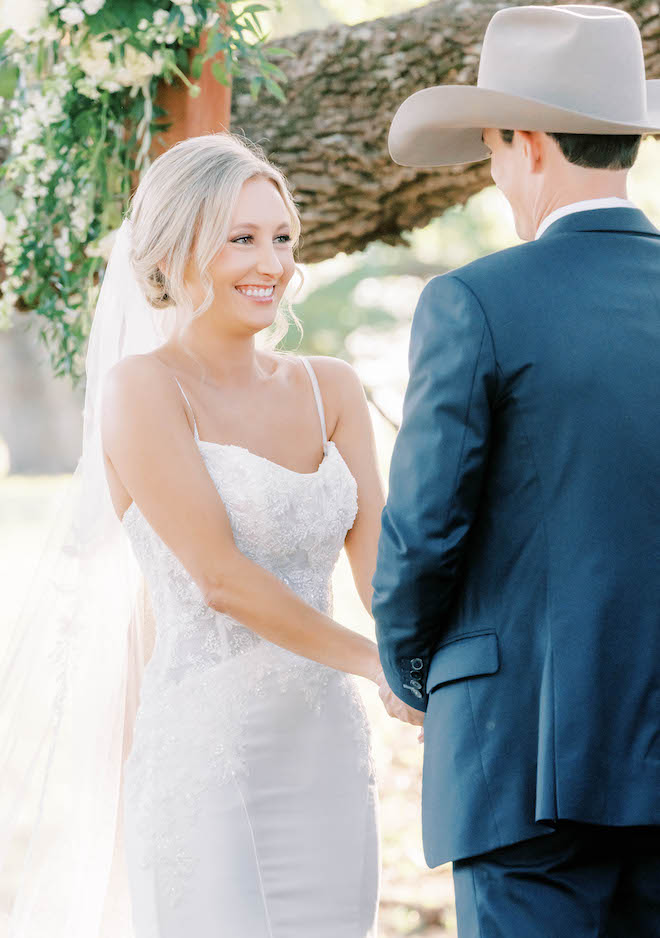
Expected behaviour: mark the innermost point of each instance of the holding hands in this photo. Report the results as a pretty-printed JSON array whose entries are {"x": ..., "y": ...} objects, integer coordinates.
[{"x": 396, "y": 707}]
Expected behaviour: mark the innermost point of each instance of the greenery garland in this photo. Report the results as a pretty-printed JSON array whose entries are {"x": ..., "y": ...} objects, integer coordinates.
[{"x": 78, "y": 81}]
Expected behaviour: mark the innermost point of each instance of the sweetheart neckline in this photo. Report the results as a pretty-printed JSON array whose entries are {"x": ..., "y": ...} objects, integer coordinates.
[{"x": 271, "y": 462}]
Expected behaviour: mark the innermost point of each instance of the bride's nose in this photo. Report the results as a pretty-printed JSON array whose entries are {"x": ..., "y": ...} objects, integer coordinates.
[{"x": 268, "y": 263}]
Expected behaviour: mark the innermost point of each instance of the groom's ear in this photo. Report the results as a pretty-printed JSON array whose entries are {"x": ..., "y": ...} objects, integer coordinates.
[{"x": 533, "y": 148}]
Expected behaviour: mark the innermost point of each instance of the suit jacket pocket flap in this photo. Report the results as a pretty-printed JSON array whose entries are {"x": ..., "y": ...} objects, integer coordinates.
[{"x": 469, "y": 656}]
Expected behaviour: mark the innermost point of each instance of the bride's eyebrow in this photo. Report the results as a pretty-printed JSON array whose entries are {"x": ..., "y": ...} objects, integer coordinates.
[{"x": 250, "y": 226}]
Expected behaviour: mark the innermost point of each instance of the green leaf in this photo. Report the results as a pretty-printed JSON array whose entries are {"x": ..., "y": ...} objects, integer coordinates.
[
  {"x": 270, "y": 69},
  {"x": 8, "y": 80},
  {"x": 254, "y": 8},
  {"x": 217, "y": 43},
  {"x": 197, "y": 65},
  {"x": 176, "y": 16},
  {"x": 255, "y": 86},
  {"x": 275, "y": 89},
  {"x": 275, "y": 50},
  {"x": 257, "y": 30},
  {"x": 220, "y": 73},
  {"x": 4, "y": 37},
  {"x": 8, "y": 202}
]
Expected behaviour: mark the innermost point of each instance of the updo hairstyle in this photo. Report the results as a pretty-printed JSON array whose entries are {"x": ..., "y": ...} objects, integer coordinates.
[{"x": 183, "y": 207}]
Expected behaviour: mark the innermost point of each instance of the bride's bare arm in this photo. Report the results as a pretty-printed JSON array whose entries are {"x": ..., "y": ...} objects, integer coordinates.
[
  {"x": 149, "y": 442},
  {"x": 353, "y": 435}
]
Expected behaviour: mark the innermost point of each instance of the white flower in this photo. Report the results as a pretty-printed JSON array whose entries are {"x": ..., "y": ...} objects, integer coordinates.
[
  {"x": 135, "y": 69},
  {"x": 22, "y": 16},
  {"x": 51, "y": 33},
  {"x": 102, "y": 247},
  {"x": 84, "y": 86},
  {"x": 72, "y": 15},
  {"x": 48, "y": 170},
  {"x": 61, "y": 244},
  {"x": 29, "y": 129},
  {"x": 36, "y": 152},
  {"x": 21, "y": 223},
  {"x": 7, "y": 309},
  {"x": 160, "y": 17},
  {"x": 64, "y": 189},
  {"x": 143, "y": 24},
  {"x": 91, "y": 6}
]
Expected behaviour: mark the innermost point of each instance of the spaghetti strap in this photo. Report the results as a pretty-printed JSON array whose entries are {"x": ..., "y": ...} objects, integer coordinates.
[
  {"x": 319, "y": 402},
  {"x": 189, "y": 405}
]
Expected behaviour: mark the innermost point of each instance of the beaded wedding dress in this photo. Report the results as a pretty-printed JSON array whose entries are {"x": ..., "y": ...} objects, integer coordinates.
[{"x": 250, "y": 806}]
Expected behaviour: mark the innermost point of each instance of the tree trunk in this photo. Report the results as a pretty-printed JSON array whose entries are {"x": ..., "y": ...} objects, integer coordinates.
[{"x": 345, "y": 83}]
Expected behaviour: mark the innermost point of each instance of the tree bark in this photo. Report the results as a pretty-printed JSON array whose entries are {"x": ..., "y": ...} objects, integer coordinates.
[{"x": 345, "y": 84}]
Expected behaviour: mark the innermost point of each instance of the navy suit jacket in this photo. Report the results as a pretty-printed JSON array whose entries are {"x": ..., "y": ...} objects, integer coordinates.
[{"x": 517, "y": 592}]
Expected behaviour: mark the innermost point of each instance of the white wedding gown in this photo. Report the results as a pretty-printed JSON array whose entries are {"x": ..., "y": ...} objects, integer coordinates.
[{"x": 250, "y": 804}]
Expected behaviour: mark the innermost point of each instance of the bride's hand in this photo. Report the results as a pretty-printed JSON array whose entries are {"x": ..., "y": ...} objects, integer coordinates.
[{"x": 397, "y": 708}]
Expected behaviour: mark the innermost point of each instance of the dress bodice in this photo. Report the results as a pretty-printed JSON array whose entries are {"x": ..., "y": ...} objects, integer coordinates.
[{"x": 291, "y": 523}]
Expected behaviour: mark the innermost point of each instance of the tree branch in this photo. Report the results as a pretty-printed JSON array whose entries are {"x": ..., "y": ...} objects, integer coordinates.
[{"x": 345, "y": 83}]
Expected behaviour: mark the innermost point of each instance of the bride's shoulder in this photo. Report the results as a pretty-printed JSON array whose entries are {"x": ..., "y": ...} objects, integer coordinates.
[
  {"x": 337, "y": 378},
  {"x": 132, "y": 369},
  {"x": 141, "y": 381},
  {"x": 333, "y": 372},
  {"x": 339, "y": 384}
]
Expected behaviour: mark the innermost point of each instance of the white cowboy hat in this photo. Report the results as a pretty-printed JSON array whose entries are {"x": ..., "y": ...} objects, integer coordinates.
[{"x": 572, "y": 69}]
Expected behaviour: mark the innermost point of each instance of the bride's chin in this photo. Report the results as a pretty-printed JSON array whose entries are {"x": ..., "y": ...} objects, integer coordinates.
[{"x": 259, "y": 323}]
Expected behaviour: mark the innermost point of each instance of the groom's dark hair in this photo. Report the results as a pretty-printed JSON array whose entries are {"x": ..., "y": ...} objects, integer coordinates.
[{"x": 594, "y": 151}]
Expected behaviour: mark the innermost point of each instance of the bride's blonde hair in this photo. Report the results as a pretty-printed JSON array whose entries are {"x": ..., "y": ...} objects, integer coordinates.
[{"x": 182, "y": 207}]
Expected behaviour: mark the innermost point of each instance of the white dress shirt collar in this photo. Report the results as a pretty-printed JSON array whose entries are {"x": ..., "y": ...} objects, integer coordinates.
[{"x": 584, "y": 206}]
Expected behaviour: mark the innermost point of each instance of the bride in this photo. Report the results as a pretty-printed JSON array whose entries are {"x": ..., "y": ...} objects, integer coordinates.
[{"x": 238, "y": 473}]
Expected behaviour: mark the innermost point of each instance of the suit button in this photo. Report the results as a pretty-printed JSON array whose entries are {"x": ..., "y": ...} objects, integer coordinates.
[
  {"x": 417, "y": 664},
  {"x": 415, "y": 683},
  {"x": 413, "y": 690}
]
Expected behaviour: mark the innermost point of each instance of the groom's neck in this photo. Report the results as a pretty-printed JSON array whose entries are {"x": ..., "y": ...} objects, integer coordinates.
[{"x": 572, "y": 184}]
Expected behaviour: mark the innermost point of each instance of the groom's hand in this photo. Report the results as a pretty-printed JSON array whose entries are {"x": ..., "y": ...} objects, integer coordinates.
[{"x": 395, "y": 707}]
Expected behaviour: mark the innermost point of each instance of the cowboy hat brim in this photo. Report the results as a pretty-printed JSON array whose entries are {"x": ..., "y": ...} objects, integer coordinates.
[{"x": 442, "y": 125}]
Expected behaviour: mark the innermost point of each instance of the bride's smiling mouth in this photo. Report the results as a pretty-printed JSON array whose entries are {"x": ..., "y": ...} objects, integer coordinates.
[{"x": 257, "y": 292}]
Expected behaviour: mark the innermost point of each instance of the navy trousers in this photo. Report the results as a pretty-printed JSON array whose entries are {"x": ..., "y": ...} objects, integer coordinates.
[{"x": 582, "y": 881}]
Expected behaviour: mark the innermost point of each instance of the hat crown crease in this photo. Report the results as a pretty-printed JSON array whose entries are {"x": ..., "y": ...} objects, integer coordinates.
[{"x": 585, "y": 58}]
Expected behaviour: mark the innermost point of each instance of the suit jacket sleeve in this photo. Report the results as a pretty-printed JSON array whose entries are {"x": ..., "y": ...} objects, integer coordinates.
[{"x": 435, "y": 481}]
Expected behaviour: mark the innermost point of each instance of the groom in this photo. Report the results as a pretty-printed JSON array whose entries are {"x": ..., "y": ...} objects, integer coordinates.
[{"x": 517, "y": 594}]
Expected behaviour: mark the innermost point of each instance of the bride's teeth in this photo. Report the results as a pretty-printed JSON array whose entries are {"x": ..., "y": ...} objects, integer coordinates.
[{"x": 257, "y": 291}]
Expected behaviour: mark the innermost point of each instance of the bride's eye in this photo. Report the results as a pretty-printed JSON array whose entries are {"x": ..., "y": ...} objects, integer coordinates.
[{"x": 245, "y": 238}]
